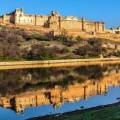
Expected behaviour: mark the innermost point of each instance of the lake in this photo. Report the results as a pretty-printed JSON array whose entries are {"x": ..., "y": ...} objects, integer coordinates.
[{"x": 29, "y": 93}]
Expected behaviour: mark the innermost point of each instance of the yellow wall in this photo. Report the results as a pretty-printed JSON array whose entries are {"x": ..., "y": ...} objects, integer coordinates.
[{"x": 71, "y": 24}]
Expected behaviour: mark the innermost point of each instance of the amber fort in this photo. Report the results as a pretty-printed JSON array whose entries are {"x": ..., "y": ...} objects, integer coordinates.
[
  {"x": 55, "y": 24},
  {"x": 52, "y": 21}
]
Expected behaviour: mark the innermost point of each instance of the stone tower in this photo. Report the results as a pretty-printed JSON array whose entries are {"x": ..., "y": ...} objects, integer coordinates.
[
  {"x": 54, "y": 20},
  {"x": 18, "y": 13}
]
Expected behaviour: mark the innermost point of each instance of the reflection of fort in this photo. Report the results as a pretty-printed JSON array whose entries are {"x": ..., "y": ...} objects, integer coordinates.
[{"x": 56, "y": 96}]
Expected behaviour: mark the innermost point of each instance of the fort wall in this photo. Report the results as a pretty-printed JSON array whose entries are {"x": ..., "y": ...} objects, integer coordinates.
[
  {"x": 52, "y": 21},
  {"x": 41, "y": 20},
  {"x": 71, "y": 24}
]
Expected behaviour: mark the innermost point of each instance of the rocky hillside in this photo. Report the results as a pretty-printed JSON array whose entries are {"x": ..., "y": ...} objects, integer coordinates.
[{"x": 20, "y": 44}]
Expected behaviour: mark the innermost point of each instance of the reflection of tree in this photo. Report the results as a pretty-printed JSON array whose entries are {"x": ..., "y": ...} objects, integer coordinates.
[
  {"x": 92, "y": 72},
  {"x": 15, "y": 81}
]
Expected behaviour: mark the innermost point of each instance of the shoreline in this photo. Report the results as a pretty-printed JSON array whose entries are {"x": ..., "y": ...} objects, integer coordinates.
[
  {"x": 57, "y": 63},
  {"x": 57, "y": 116}
]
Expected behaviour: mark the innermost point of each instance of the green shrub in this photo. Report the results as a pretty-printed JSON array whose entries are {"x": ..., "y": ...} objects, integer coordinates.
[{"x": 38, "y": 37}]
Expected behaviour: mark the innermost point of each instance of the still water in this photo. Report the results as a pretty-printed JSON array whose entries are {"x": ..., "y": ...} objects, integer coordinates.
[{"x": 28, "y": 93}]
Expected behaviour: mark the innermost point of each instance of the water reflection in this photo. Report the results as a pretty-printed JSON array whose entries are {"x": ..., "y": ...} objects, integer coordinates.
[{"x": 21, "y": 89}]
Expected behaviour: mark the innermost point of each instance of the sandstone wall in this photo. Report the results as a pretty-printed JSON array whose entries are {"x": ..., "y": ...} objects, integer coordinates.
[
  {"x": 35, "y": 20},
  {"x": 89, "y": 26},
  {"x": 71, "y": 24},
  {"x": 25, "y": 19},
  {"x": 41, "y": 20},
  {"x": 54, "y": 21},
  {"x": 101, "y": 27},
  {"x": 6, "y": 19}
]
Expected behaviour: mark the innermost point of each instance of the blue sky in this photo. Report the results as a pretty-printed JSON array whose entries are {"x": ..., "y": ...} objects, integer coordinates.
[{"x": 100, "y": 10}]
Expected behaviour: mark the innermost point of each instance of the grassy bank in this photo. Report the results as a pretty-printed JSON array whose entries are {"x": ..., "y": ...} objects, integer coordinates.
[{"x": 109, "y": 112}]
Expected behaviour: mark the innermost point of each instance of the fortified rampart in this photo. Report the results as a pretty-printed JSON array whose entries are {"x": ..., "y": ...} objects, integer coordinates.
[{"x": 53, "y": 21}]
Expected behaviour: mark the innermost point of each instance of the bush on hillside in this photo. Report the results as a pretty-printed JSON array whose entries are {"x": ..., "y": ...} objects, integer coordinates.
[{"x": 38, "y": 37}]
